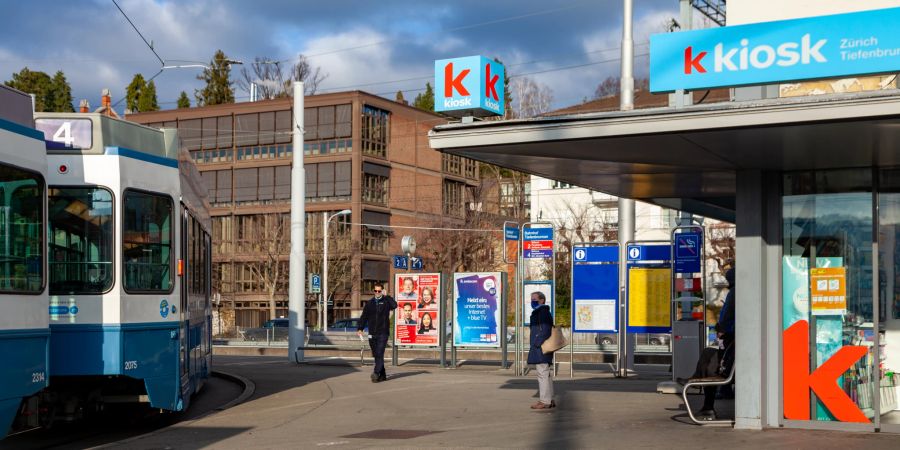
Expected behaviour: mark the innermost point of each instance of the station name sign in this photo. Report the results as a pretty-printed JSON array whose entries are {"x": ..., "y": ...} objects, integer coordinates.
[
  {"x": 469, "y": 86},
  {"x": 852, "y": 44}
]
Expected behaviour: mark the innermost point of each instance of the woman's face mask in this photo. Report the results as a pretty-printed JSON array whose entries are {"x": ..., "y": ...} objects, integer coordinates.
[{"x": 535, "y": 304}]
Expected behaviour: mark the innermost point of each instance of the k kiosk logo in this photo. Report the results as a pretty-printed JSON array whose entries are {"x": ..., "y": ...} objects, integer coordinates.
[
  {"x": 789, "y": 50},
  {"x": 469, "y": 86}
]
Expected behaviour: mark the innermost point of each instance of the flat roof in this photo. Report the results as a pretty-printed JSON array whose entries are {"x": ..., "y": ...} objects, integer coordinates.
[{"x": 687, "y": 158}]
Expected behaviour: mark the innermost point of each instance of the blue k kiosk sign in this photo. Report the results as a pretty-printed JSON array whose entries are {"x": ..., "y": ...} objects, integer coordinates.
[
  {"x": 838, "y": 45},
  {"x": 469, "y": 86}
]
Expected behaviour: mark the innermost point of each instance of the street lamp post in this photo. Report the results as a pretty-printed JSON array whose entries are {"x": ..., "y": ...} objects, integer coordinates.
[{"x": 325, "y": 219}]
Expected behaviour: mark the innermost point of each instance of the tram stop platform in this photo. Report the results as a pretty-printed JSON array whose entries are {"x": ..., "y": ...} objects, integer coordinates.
[{"x": 331, "y": 402}]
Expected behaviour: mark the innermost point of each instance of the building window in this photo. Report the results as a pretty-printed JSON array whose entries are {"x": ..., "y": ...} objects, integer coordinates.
[
  {"x": 453, "y": 198},
  {"x": 375, "y": 240},
  {"x": 561, "y": 185},
  {"x": 375, "y": 189},
  {"x": 515, "y": 198},
  {"x": 224, "y": 277},
  {"x": 258, "y": 152},
  {"x": 375, "y": 128},
  {"x": 218, "y": 186},
  {"x": 328, "y": 181},
  {"x": 663, "y": 218},
  {"x": 451, "y": 164},
  {"x": 223, "y": 235}
]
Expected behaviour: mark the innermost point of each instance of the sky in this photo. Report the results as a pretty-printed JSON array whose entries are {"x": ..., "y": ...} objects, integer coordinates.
[{"x": 376, "y": 46}]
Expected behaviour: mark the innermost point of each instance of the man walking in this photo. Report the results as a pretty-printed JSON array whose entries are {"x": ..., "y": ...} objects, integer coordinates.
[{"x": 377, "y": 315}]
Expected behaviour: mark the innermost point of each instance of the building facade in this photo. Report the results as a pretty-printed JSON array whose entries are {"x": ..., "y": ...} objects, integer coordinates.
[{"x": 363, "y": 153}]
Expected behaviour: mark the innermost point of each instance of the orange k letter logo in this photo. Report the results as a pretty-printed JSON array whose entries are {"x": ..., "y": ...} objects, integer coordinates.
[{"x": 798, "y": 381}]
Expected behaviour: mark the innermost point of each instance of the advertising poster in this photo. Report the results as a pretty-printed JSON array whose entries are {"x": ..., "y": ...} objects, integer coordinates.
[
  {"x": 828, "y": 291},
  {"x": 476, "y": 309},
  {"x": 533, "y": 287},
  {"x": 417, "y": 319},
  {"x": 648, "y": 298}
]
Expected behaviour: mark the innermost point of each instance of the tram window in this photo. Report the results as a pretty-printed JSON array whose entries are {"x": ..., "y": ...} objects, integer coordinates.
[
  {"x": 147, "y": 242},
  {"x": 81, "y": 240},
  {"x": 21, "y": 231}
]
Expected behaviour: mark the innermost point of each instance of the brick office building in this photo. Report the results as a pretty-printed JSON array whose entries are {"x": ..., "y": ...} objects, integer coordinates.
[{"x": 362, "y": 152}]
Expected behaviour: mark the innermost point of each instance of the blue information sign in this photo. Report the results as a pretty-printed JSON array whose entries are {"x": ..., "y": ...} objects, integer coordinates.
[
  {"x": 642, "y": 252},
  {"x": 511, "y": 233},
  {"x": 832, "y": 46},
  {"x": 401, "y": 262},
  {"x": 688, "y": 248},
  {"x": 315, "y": 284},
  {"x": 416, "y": 263},
  {"x": 595, "y": 289}
]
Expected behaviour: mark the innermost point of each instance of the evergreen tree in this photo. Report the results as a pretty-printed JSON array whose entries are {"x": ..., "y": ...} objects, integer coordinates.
[
  {"x": 133, "y": 93},
  {"x": 50, "y": 94},
  {"x": 147, "y": 100},
  {"x": 217, "y": 77},
  {"x": 183, "y": 100},
  {"x": 425, "y": 100},
  {"x": 399, "y": 98},
  {"x": 61, "y": 93}
]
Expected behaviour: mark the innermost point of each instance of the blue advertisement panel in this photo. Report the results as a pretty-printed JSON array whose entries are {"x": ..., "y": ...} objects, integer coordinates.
[
  {"x": 476, "y": 309},
  {"x": 688, "y": 252},
  {"x": 832, "y": 46},
  {"x": 469, "y": 86}
]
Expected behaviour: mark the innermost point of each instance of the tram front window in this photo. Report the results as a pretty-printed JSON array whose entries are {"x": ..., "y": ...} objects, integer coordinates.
[
  {"x": 21, "y": 231},
  {"x": 147, "y": 242},
  {"x": 81, "y": 240}
]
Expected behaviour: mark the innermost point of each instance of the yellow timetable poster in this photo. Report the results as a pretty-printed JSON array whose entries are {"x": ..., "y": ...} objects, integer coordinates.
[{"x": 648, "y": 297}]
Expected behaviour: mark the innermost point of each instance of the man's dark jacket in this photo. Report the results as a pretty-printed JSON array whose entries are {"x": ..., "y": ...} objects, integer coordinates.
[{"x": 377, "y": 315}]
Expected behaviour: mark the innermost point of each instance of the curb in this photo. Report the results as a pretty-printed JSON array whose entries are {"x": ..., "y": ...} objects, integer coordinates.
[{"x": 249, "y": 390}]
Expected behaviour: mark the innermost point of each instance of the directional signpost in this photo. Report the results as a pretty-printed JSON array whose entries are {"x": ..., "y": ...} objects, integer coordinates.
[{"x": 537, "y": 243}]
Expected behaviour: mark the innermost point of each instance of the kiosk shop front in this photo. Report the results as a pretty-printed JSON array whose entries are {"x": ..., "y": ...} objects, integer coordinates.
[{"x": 813, "y": 186}]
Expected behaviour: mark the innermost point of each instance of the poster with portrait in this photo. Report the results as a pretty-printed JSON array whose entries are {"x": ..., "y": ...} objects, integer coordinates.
[
  {"x": 477, "y": 301},
  {"x": 417, "y": 319}
]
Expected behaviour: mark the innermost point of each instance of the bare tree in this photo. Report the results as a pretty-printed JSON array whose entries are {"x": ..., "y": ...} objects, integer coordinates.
[
  {"x": 273, "y": 82},
  {"x": 529, "y": 98},
  {"x": 341, "y": 248},
  {"x": 721, "y": 243},
  {"x": 577, "y": 223},
  {"x": 610, "y": 86},
  {"x": 270, "y": 253}
]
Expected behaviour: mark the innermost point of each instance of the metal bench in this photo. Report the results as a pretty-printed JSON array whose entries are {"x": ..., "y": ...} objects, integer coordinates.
[{"x": 709, "y": 381}]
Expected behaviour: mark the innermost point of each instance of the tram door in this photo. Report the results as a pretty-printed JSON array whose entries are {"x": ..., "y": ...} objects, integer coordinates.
[{"x": 184, "y": 329}]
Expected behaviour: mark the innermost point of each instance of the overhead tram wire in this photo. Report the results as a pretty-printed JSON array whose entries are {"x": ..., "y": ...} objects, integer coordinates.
[{"x": 444, "y": 31}]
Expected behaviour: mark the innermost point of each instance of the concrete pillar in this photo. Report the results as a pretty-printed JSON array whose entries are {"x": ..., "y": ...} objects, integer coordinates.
[{"x": 757, "y": 300}]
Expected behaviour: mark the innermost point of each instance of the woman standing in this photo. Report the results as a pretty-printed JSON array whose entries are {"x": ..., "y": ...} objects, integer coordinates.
[{"x": 541, "y": 327}]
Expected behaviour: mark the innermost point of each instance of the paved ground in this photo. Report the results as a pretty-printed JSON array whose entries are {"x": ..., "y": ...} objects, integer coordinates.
[{"x": 309, "y": 406}]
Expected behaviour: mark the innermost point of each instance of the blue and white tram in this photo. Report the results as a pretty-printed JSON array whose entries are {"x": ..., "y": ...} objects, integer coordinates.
[
  {"x": 24, "y": 331},
  {"x": 129, "y": 266}
]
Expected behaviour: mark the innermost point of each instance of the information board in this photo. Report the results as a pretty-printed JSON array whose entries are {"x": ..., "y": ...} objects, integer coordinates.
[
  {"x": 828, "y": 291},
  {"x": 649, "y": 308},
  {"x": 595, "y": 289},
  {"x": 477, "y": 298},
  {"x": 418, "y": 318}
]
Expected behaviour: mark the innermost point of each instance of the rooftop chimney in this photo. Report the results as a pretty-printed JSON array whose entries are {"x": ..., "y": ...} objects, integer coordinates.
[{"x": 84, "y": 106}]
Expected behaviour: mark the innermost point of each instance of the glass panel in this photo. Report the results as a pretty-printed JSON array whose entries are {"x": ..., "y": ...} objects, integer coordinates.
[
  {"x": 223, "y": 186},
  {"x": 245, "y": 185},
  {"x": 282, "y": 182},
  {"x": 827, "y": 295},
  {"x": 246, "y": 129},
  {"x": 81, "y": 246},
  {"x": 147, "y": 242},
  {"x": 889, "y": 298},
  {"x": 326, "y": 180},
  {"x": 326, "y": 122},
  {"x": 266, "y": 182},
  {"x": 342, "y": 178},
  {"x": 21, "y": 231},
  {"x": 283, "y": 127},
  {"x": 189, "y": 132},
  {"x": 209, "y": 132}
]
